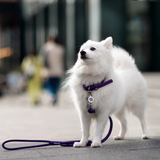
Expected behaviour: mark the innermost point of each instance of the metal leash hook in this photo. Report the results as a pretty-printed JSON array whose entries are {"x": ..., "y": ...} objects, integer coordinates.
[
  {"x": 90, "y": 101},
  {"x": 50, "y": 143}
]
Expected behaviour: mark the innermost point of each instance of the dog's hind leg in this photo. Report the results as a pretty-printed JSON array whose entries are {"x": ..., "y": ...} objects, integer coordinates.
[
  {"x": 145, "y": 134},
  {"x": 123, "y": 124},
  {"x": 141, "y": 117}
]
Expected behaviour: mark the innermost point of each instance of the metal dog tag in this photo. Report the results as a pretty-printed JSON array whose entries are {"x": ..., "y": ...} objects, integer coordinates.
[{"x": 90, "y": 99}]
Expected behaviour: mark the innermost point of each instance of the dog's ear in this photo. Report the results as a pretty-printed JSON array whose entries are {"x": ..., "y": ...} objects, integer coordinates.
[
  {"x": 89, "y": 40},
  {"x": 108, "y": 42}
]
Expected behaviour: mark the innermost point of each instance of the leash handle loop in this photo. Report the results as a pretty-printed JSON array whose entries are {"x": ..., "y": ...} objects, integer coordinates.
[
  {"x": 43, "y": 143},
  {"x": 49, "y": 143}
]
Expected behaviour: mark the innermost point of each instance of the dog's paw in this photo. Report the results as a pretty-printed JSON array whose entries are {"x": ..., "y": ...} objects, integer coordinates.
[
  {"x": 79, "y": 144},
  {"x": 145, "y": 136},
  {"x": 118, "y": 138},
  {"x": 95, "y": 144}
]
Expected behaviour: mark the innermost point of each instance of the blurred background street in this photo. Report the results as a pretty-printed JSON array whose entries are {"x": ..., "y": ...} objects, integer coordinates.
[{"x": 40, "y": 39}]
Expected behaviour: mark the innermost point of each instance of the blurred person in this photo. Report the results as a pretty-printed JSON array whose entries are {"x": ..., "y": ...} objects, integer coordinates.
[
  {"x": 2, "y": 81},
  {"x": 53, "y": 52},
  {"x": 13, "y": 79},
  {"x": 2, "y": 84},
  {"x": 31, "y": 67}
]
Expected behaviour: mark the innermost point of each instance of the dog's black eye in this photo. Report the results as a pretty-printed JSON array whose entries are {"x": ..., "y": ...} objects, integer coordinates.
[{"x": 92, "y": 49}]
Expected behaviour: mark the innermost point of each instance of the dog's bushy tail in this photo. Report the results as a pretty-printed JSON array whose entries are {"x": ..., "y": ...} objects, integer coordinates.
[{"x": 122, "y": 59}]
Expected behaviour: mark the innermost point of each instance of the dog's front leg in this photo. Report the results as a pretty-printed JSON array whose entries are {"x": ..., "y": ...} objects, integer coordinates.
[
  {"x": 85, "y": 125},
  {"x": 101, "y": 123}
]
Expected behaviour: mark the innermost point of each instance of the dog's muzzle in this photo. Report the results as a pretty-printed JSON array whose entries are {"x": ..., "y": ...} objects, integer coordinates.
[{"x": 83, "y": 55}]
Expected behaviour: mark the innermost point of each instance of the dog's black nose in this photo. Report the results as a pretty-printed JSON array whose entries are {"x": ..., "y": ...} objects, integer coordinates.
[{"x": 83, "y": 53}]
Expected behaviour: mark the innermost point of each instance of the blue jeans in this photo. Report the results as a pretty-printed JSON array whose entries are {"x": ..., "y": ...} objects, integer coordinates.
[{"x": 52, "y": 86}]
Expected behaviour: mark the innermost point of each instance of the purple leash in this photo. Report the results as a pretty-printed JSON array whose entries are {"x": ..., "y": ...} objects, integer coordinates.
[
  {"x": 67, "y": 143},
  {"x": 50, "y": 143}
]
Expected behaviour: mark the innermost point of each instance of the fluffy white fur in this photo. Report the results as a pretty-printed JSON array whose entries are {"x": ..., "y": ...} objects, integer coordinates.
[{"x": 128, "y": 90}]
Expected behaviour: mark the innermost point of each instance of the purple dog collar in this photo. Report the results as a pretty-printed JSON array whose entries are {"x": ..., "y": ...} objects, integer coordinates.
[
  {"x": 98, "y": 85},
  {"x": 92, "y": 88}
]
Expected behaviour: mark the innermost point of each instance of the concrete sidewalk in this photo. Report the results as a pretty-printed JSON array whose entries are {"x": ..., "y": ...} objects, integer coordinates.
[{"x": 20, "y": 120}]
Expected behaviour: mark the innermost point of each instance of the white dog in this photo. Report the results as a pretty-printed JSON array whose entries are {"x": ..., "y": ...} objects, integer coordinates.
[{"x": 97, "y": 63}]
